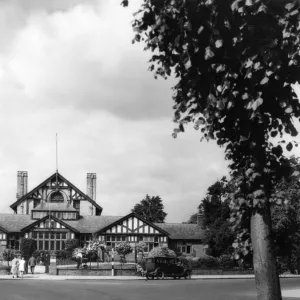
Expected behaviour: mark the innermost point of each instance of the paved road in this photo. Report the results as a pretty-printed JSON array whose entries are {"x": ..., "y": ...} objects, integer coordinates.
[{"x": 19, "y": 289}]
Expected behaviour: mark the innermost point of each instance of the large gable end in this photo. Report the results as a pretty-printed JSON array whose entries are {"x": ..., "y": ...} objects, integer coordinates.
[
  {"x": 134, "y": 225},
  {"x": 56, "y": 188},
  {"x": 49, "y": 223}
]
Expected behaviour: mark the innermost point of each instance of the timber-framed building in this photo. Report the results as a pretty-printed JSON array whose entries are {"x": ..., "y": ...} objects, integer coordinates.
[{"x": 56, "y": 210}]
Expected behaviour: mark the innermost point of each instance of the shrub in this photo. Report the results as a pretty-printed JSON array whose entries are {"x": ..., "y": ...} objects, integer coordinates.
[
  {"x": 37, "y": 253},
  {"x": 161, "y": 251},
  {"x": 7, "y": 254},
  {"x": 140, "y": 247},
  {"x": 123, "y": 248},
  {"x": 208, "y": 262},
  {"x": 27, "y": 247},
  {"x": 227, "y": 261},
  {"x": 63, "y": 254},
  {"x": 71, "y": 244},
  {"x": 189, "y": 261}
]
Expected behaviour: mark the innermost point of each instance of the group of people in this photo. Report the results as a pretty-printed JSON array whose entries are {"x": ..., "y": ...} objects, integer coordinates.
[{"x": 19, "y": 266}]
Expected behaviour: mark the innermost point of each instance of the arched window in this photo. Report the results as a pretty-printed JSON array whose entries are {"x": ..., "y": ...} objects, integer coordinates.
[{"x": 57, "y": 197}]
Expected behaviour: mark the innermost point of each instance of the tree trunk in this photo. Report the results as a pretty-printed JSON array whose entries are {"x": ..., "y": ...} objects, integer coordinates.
[{"x": 264, "y": 262}]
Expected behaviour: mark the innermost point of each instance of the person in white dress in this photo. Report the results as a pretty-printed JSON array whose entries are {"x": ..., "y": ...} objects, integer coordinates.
[{"x": 22, "y": 266}]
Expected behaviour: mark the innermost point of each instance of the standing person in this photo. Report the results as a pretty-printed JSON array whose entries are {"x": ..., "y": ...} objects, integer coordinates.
[
  {"x": 32, "y": 263},
  {"x": 15, "y": 267},
  {"x": 47, "y": 262},
  {"x": 79, "y": 259},
  {"x": 22, "y": 266},
  {"x": 41, "y": 259}
]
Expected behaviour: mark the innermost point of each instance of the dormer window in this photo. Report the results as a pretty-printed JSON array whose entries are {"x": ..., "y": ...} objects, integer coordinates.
[{"x": 57, "y": 197}]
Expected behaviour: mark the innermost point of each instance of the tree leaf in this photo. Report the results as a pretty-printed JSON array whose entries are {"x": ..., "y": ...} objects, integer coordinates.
[
  {"x": 289, "y": 6},
  {"x": 200, "y": 29},
  {"x": 274, "y": 133},
  {"x": 289, "y": 146},
  {"x": 220, "y": 68},
  {"x": 264, "y": 81},
  {"x": 258, "y": 102},
  {"x": 289, "y": 109},
  {"x": 188, "y": 26},
  {"x": 208, "y": 53},
  {"x": 219, "y": 43},
  {"x": 188, "y": 64}
]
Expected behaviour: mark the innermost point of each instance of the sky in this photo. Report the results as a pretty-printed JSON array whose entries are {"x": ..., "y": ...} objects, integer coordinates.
[{"x": 69, "y": 67}]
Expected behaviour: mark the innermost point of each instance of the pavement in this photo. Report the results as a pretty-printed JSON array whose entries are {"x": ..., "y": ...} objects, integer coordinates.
[
  {"x": 286, "y": 292},
  {"x": 44, "y": 276}
]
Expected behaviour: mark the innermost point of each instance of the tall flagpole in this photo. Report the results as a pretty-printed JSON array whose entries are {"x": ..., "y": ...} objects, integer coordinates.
[{"x": 56, "y": 162}]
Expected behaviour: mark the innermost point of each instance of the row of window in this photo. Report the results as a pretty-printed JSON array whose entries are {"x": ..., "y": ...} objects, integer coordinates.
[
  {"x": 49, "y": 224},
  {"x": 50, "y": 240},
  {"x": 187, "y": 249},
  {"x": 124, "y": 238},
  {"x": 51, "y": 235},
  {"x": 59, "y": 215},
  {"x": 51, "y": 245}
]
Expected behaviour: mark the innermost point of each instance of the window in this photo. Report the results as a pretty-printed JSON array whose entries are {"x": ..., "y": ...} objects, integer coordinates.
[
  {"x": 36, "y": 203},
  {"x": 185, "y": 249},
  {"x": 50, "y": 240},
  {"x": 57, "y": 197},
  {"x": 76, "y": 204}
]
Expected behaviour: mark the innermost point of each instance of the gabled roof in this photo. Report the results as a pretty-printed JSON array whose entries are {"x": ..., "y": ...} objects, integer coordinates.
[
  {"x": 117, "y": 222},
  {"x": 47, "y": 218},
  {"x": 14, "y": 205},
  {"x": 92, "y": 224},
  {"x": 182, "y": 231},
  {"x": 14, "y": 222},
  {"x": 46, "y": 206},
  {"x": 3, "y": 229}
]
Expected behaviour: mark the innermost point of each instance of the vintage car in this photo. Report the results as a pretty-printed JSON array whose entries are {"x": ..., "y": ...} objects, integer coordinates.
[{"x": 160, "y": 267}]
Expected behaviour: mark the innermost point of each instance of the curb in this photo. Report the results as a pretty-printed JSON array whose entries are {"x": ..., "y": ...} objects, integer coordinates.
[{"x": 126, "y": 278}]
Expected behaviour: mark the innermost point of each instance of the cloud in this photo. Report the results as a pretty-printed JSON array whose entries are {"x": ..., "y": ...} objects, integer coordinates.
[
  {"x": 99, "y": 68},
  {"x": 69, "y": 67}
]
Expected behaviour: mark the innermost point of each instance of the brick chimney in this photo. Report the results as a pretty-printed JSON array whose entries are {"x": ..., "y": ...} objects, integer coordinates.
[
  {"x": 22, "y": 179},
  {"x": 200, "y": 219},
  {"x": 91, "y": 185}
]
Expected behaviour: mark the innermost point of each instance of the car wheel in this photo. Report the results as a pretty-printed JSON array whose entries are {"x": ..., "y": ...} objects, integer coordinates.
[{"x": 160, "y": 275}]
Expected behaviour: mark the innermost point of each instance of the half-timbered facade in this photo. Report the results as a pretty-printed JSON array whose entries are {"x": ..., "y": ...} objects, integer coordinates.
[
  {"x": 56, "y": 210},
  {"x": 134, "y": 229}
]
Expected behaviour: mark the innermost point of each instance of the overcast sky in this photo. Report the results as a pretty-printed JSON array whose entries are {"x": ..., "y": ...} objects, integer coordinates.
[{"x": 69, "y": 67}]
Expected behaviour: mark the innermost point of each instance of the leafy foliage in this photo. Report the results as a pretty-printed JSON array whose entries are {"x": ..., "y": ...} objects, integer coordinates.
[
  {"x": 151, "y": 209},
  {"x": 27, "y": 247},
  {"x": 71, "y": 244},
  {"x": 7, "y": 254},
  {"x": 235, "y": 61},
  {"x": 123, "y": 248},
  {"x": 215, "y": 207},
  {"x": 140, "y": 246},
  {"x": 161, "y": 251},
  {"x": 208, "y": 262},
  {"x": 234, "y": 79},
  {"x": 226, "y": 261},
  {"x": 286, "y": 222},
  {"x": 192, "y": 219}
]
